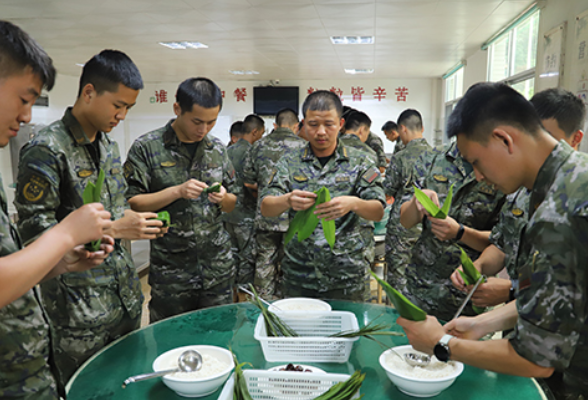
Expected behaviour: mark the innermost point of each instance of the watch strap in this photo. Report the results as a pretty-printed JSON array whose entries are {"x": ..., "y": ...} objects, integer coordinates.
[
  {"x": 460, "y": 232},
  {"x": 445, "y": 339}
]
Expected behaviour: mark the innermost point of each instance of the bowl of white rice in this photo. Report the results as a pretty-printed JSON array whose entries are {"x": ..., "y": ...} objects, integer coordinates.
[
  {"x": 300, "y": 306},
  {"x": 217, "y": 364},
  {"x": 419, "y": 381}
]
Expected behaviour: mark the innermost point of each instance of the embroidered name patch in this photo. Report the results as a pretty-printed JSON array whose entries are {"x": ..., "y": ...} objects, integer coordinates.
[{"x": 35, "y": 189}]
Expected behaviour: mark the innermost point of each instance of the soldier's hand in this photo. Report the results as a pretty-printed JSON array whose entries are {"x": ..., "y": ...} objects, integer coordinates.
[
  {"x": 301, "y": 200},
  {"x": 457, "y": 280},
  {"x": 336, "y": 208},
  {"x": 432, "y": 195},
  {"x": 217, "y": 198},
  {"x": 86, "y": 224},
  {"x": 464, "y": 328},
  {"x": 135, "y": 225},
  {"x": 491, "y": 293},
  {"x": 79, "y": 259},
  {"x": 422, "y": 335},
  {"x": 192, "y": 189},
  {"x": 444, "y": 229}
]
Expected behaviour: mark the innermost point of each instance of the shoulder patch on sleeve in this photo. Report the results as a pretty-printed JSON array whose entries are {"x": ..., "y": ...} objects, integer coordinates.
[
  {"x": 272, "y": 175},
  {"x": 128, "y": 170},
  {"x": 370, "y": 175},
  {"x": 35, "y": 189}
]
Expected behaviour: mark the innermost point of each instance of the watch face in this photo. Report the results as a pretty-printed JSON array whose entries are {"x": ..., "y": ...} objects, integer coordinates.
[{"x": 441, "y": 352}]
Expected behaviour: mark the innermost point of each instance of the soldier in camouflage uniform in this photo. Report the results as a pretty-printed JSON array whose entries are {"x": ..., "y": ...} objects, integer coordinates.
[
  {"x": 236, "y": 133},
  {"x": 390, "y": 129},
  {"x": 259, "y": 163},
  {"x": 400, "y": 174},
  {"x": 25, "y": 374},
  {"x": 192, "y": 267},
  {"x": 239, "y": 223},
  {"x": 562, "y": 114},
  {"x": 436, "y": 253},
  {"x": 311, "y": 268},
  {"x": 86, "y": 310},
  {"x": 500, "y": 133},
  {"x": 377, "y": 145}
]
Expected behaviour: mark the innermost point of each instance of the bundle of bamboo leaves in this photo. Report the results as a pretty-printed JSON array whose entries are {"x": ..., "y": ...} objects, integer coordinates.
[
  {"x": 305, "y": 222},
  {"x": 431, "y": 207}
]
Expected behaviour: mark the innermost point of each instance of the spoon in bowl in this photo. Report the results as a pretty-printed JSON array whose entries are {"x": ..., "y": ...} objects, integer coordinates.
[
  {"x": 189, "y": 360},
  {"x": 414, "y": 359},
  {"x": 267, "y": 303}
]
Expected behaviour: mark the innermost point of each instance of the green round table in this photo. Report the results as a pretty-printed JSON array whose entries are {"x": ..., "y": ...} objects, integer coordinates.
[{"x": 100, "y": 378}]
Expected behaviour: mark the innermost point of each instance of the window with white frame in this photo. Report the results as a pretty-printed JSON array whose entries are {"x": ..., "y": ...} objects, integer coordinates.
[
  {"x": 454, "y": 85},
  {"x": 512, "y": 54}
]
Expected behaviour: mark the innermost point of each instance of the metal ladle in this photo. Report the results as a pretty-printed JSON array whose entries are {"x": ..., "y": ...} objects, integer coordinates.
[
  {"x": 189, "y": 360},
  {"x": 267, "y": 303},
  {"x": 414, "y": 359}
]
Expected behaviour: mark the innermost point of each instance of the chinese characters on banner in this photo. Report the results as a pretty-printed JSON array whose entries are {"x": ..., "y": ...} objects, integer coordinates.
[
  {"x": 240, "y": 94},
  {"x": 160, "y": 97}
]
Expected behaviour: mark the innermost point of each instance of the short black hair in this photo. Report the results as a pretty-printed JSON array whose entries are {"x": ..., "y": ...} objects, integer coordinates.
[
  {"x": 19, "y": 51},
  {"x": 322, "y": 100},
  {"x": 286, "y": 117},
  {"x": 106, "y": 70},
  {"x": 237, "y": 129},
  {"x": 487, "y": 105},
  {"x": 251, "y": 123},
  {"x": 356, "y": 120},
  {"x": 389, "y": 126},
  {"x": 562, "y": 105},
  {"x": 410, "y": 118},
  {"x": 200, "y": 91}
]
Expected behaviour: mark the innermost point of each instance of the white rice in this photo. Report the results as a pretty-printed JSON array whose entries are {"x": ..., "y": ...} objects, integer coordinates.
[
  {"x": 210, "y": 366},
  {"x": 436, "y": 369}
]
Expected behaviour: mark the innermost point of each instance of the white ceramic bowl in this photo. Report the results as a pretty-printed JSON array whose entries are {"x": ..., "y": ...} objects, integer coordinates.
[
  {"x": 197, "y": 387},
  {"x": 300, "y": 305},
  {"x": 418, "y": 387},
  {"x": 309, "y": 367}
]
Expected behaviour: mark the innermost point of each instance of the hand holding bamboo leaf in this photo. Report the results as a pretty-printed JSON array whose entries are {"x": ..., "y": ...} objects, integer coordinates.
[
  {"x": 404, "y": 306},
  {"x": 431, "y": 206}
]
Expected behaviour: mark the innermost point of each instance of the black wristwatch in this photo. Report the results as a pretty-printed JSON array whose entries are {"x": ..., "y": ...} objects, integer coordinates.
[
  {"x": 441, "y": 349},
  {"x": 460, "y": 232}
]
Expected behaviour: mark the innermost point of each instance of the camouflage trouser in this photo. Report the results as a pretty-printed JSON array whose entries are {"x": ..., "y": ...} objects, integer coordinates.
[
  {"x": 84, "y": 319},
  {"x": 41, "y": 386},
  {"x": 357, "y": 293},
  {"x": 397, "y": 259},
  {"x": 168, "y": 300},
  {"x": 270, "y": 252},
  {"x": 73, "y": 346},
  {"x": 244, "y": 250}
]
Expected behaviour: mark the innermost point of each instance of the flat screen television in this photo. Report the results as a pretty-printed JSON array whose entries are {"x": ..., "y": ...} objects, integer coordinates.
[{"x": 268, "y": 100}]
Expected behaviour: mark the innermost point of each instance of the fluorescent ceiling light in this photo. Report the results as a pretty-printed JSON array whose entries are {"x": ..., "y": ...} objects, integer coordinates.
[
  {"x": 241, "y": 72},
  {"x": 184, "y": 45},
  {"x": 359, "y": 71},
  {"x": 353, "y": 39},
  {"x": 549, "y": 74}
]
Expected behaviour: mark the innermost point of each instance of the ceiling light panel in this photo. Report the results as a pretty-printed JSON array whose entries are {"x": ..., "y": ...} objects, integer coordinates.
[
  {"x": 184, "y": 45},
  {"x": 353, "y": 39},
  {"x": 359, "y": 71}
]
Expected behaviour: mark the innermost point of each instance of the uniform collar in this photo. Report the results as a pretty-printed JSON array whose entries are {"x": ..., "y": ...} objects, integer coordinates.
[
  {"x": 415, "y": 142},
  {"x": 352, "y": 137},
  {"x": 282, "y": 131},
  {"x": 340, "y": 153},
  {"x": 546, "y": 175},
  {"x": 76, "y": 131},
  {"x": 241, "y": 142},
  {"x": 170, "y": 138},
  {"x": 453, "y": 154}
]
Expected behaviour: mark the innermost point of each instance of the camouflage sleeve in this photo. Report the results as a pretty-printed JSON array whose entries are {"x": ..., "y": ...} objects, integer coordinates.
[
  {"x": 230, "y": 180},
  {"x": 137, "y": 171},
  {"x": 496, "y": 237},
  {"x": 552, "y": 300},
  {"x": 378, "y": 147},
  {"x": 37, "y": 191},
  {"x": 369, "y": 186},
  {"x": 249, "y": 172},
  {"x": 393, "y": 181},
  {"x": 278, "y": 182}
]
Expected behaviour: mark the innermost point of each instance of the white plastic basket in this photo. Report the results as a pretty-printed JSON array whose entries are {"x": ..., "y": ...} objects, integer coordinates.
[
  {"x": 284, "y": 385},
  {"x": 313, "y": 345}
]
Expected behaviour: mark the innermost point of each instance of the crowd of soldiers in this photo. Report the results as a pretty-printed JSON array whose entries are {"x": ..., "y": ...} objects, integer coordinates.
[{"x": 519, "y": 202}]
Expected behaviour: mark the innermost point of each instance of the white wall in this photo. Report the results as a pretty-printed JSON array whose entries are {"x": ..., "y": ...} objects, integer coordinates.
[{"x": 423, "y": 95}]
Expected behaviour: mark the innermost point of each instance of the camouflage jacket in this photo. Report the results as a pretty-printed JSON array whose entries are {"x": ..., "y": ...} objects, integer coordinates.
[
  {"x": 244, "y": 212},
  {"x": 347, "y": 173},
  {"x": 401, "y": 174},
  {"x": 507, "y": 232},
  {"x": 24, "y": 334},
  {"x": 475, "y": 204},
  {"x": 156, "y": 161},
  {"x": 552, "y": 301},
  {"x": 55, "y": 167},
  {"x": 377, "y": 145},
  {"x": 354, "y": 141},
  {"x": 259, "y": 163},
  {"x": 399, "y": 146}
]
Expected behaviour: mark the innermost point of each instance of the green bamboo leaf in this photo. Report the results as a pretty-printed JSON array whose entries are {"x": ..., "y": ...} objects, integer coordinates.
[
  {"x": 468, "y": 268},
  {"x": 164, "y": 217},
  {"x": 329, "y": 227},
  {"x": 309, "y": 224},
  {"x": 98, "y": 187},
  {"x": 88, "y": 195},
  {"x": 426, "y": 202},
  {"x": 293, "y": 227},
  {"x": 464, "y": 277},
  {"x": 404, "y": 306},
  {"x": 447, "y": 203},
  {"x": 212, "y": 189}
]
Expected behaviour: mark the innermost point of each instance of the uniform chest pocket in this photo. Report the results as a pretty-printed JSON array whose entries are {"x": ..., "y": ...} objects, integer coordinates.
[{"x": 167, "y": 174}]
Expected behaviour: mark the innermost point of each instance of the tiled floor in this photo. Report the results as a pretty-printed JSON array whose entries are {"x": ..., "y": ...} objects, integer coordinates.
[{"x": 147, "y": 293}]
